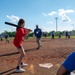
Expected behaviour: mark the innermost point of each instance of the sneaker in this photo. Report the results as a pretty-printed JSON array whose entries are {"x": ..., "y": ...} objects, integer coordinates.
[
  {"x": 20, "y": 70},
  {"x": 38, "y": 48},
  {"x": 23, "y": 64}
]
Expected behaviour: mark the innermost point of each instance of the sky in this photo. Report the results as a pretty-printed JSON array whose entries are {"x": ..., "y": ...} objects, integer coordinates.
[{"x": 41, "y": 12}]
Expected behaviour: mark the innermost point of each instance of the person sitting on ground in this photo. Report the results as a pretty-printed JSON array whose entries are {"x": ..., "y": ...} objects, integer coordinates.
[{"x": 67, "y": 66}]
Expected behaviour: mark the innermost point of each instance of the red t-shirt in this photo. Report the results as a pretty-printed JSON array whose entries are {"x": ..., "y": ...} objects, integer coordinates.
[{"x": 20, "y": 33}]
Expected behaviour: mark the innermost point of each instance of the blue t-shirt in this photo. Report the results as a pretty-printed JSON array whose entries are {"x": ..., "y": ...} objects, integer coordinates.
[
  {"x": 38, "y": 33},
  {"x": 52, "y": 33},
  {"x": 69, "y": 63},
  {"x": 6, "y": 35},
  {"x": 66, "y": 33}
]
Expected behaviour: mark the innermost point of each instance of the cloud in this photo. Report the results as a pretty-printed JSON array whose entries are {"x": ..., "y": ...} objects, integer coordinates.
[
  {"x": 69, "y": 11},
  {"x": 49, "y": 14},
  {"x": 49, "y": 23},
  {"x": 63, "y": 15},
  {"x": 44, "y": 14},
  {"x": 65, "y": 18},
  {"x": 52, "y": 13},
  {"x": 13, "y": 18}
]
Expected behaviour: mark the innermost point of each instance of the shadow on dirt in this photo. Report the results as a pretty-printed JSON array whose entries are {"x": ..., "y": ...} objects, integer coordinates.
[
  {"x": 9, "y": 54},
  {"x": 9, "y": 72},
  {"x": 2, "y": 73}
]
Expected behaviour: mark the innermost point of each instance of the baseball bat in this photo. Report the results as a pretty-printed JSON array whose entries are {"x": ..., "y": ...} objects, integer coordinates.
[{"x": 11, "y": 24}]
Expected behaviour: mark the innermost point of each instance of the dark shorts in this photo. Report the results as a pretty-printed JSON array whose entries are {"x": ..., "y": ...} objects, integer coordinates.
[
  {"x": 20, "y": 47},
  {"x": 66, "y": 35},
  {"x": 52, "y": 36}
]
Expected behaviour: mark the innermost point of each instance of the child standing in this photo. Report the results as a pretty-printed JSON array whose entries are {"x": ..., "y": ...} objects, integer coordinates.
[{"x": 19, "y": 37}]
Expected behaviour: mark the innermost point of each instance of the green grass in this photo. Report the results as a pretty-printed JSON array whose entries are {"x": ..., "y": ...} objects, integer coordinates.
[
  {"x": 58, "y": 37},
  {"x": 11, "y": 38},
  {"x": 54, "y": 37},
  {"x": 72, "y": 36}
]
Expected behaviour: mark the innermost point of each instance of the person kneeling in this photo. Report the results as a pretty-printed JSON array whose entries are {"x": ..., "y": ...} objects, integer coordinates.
[{"x": 67, "y": 66}]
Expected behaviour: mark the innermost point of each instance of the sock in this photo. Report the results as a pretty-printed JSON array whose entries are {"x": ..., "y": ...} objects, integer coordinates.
[
  {"x": 17, "y": 67},
  {"x": 21, "y": 63}
]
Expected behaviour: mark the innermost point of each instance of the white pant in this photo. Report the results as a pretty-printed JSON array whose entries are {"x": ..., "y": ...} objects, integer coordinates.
[{"x": 38, "y": 41}]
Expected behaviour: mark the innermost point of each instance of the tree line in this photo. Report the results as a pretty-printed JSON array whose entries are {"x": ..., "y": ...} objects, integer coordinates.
[{"x": 62, "y": 33}]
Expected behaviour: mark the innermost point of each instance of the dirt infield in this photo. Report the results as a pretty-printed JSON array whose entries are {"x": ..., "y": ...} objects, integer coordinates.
[{"x": 52, "y": 51}]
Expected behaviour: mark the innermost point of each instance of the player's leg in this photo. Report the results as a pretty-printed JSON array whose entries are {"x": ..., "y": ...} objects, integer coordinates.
[
  {"x": 22, "y": 54},
  {"x": 66, "y": 36},
  {"x": 37, "y": 40},
  {"x": 52, "y": 36},
  {"x": 8, "y": 40},
  {"x": 38, "y": 43}
]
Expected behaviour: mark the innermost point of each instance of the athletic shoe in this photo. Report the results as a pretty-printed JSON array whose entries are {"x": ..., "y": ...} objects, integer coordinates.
[
  {"x": 38, "y": 48},
  {"x": 20, "y": 70},
  {"x": 23, "y": 64}
]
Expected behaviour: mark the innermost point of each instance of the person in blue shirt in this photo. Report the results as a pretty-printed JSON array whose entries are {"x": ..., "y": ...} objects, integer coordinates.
[
  {"x": 52, "y": 34},
  {"x": 67, "y": 66},
  {"x": 6, "y": 38},
  {"x": 66, "y": 34},
  {"x": 38, "y": 34}
]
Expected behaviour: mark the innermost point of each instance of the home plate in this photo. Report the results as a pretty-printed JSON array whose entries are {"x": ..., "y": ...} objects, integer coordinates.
[{"x": 46, "y": 65}]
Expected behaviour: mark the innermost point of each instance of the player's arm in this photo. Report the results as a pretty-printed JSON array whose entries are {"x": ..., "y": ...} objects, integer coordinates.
[
  {"x": 61, "y": 70},
  {"x": 67, "y": 66},
  {"x": 27, "y": 32},
  {"x": 41, "y": 32}
]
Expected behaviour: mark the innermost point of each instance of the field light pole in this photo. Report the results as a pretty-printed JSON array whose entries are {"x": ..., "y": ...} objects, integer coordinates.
[{"x": 56, "y": 18}]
